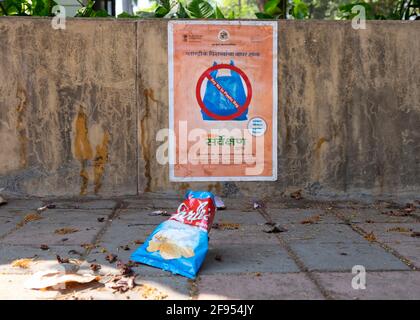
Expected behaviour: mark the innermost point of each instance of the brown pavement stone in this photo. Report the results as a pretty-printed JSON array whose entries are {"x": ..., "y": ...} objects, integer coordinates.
[
  {"x": 266, "y": 286},
  {"x": 379, "y": 285}
]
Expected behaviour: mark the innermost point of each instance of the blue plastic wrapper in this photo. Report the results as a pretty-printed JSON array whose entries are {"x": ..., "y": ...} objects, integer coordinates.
[
  {"x": 217, "y": 103},
  {"x": 180, "y": 244}
]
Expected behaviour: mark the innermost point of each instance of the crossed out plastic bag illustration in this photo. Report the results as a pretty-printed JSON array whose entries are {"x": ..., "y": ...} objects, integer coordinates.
[{"x": 217, "y": 103}]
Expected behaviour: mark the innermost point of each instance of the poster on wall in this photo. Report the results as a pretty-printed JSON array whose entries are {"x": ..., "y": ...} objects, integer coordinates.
[{"x": 222, "y": 100}]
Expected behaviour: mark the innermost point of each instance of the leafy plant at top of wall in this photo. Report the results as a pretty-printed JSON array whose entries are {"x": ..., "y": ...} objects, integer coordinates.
[
  {"x": 87, "y": 10},
  {"x": 284, "y": 9},
  {"x": 402, "y": 10},
  {"x": 182, "y": 9},
  {"x": 26, "y": 8}
]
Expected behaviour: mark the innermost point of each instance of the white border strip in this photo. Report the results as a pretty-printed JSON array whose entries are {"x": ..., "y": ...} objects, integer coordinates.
[{"x": 172, "y": 177}]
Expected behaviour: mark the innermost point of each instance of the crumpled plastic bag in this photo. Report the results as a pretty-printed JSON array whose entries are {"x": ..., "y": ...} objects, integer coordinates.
[{"x": 180, "y": 244}]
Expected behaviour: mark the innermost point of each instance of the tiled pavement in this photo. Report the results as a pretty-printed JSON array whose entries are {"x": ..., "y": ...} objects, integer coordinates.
[{"x": 313, "y": 259}]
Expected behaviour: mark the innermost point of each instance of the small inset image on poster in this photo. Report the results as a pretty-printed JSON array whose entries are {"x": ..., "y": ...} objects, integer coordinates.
[{"x": 222, "y": 100}]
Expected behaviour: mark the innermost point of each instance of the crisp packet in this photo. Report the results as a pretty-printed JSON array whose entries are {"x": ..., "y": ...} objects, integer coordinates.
[{"x": 180, "y": 244}]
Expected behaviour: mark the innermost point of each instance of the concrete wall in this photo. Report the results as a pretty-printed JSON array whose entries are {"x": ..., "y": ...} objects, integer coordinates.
[{"x": 80, "y": 108}]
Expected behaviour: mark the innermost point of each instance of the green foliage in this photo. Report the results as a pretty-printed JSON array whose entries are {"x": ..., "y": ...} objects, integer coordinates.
[
  {"x": 231, "y": 9},
  {"x": 27, "y": 8},
  {"x": 181, "y": 9},
  {"x": 283, "y": 9},
  {"x": 401, "y": 10},
  {"x": 88, "y": 11}
]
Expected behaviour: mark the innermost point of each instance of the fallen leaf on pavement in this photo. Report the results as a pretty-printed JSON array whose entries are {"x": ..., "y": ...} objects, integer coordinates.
[
  {"x": 95, "y": 267},
  {"x": 121, "y": 284},
  {"x": 111, "y": 258},
  {"x": 227, "y": 226},
  {"x": 275, "y": 229},
  {"x": 65, "y": 230},
  {"x": 370, "y": 237},
  {"x": 415, "y": 234},
  {"x": 149, "y": 292},
  {"x": 101, "y": 219},
  {"x": 297, "y": 195},
  {"x": 218, "y": 257},
  {"x": 62, "y": 260},
  {"x": 28, "y": 218},
  {"x": 311, "y": 220},
  {"x": 22, "y": 263},
  {"x": 87, "y": 246},
  {"x": 126, "y": 247},
  {"x": 398, "y": 229},
  {"x": 125, "y": 268},
  {"x": 57, "y": 280},
  {"x": 44, "y": 247}
]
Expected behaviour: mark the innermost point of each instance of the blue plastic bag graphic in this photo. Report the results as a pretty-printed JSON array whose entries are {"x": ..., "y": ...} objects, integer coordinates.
[{"x": 216, "y": 102}]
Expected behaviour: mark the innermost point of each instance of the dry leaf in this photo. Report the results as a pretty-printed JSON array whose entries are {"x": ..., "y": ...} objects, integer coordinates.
[
  {"x": 296, "y": 195},
  {"x": 227, "y": 226},
  {"x": 398, "y": 229},
  {"x": 65, "y": 231},
  {"x": 370, "y": 237},
  {"x": 311, "y": 220},
  {"x": 57, "y": 280},
  {"x": 149, "y": 292},
  {"x": 44, "y": 247},
  {"x": 22, "y": 263},
  {"x": 28, "y": 218},
  {"x": 111, "y": 258}
]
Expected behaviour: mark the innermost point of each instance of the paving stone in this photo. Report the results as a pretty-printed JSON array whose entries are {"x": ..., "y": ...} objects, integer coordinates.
[
  {"x": 388, "y": 233},
  {"x": 245, "y": 234},
  {"x": 336, "y": 233},
  {"x": 38, "y": 232},
  {"x": 70, "y": 215},
  {"x": 7, "y": 224},
  {"x": 12, "y": 288},
  {"x": 409, "y": 250},
  {"x": 6, "y": 212},
  {"x": 266, "y": 286},
  {"x": 374, "y": 215},
  {"x": 238, "y": 258},
  {"x": 141, "y": 216},
  {"x": 43, "y": 259},
  {"x": 84, "y": 204},
  {"x": 121, "y": 233},
  {"x": 400, "y": 285},
  {"x": 343, "y": 256},
  {"x": 22, "y": 204},
  {"x": 296, "y": 216},
  {"x": 153, "y": 203},
  {"x": 237, "y": 216}
]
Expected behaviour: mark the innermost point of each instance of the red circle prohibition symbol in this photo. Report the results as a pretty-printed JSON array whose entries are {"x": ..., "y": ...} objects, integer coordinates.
[{"x": 206, "y": 74}]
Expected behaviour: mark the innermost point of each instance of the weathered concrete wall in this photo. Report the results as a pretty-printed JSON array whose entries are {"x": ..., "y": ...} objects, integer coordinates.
[
  {"x": 67, "y": 107},
  {"x": 349, "y": 108}
]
